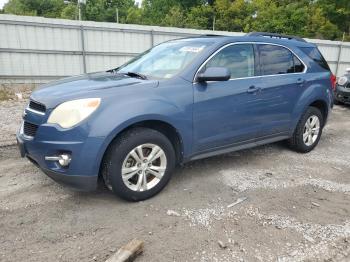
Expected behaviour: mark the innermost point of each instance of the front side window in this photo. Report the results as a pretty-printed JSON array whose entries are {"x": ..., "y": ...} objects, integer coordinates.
[
  {"x": 238, "y": 59},
  {"x": 276, "y": 60},
  {"x": 167, "y": 59}
]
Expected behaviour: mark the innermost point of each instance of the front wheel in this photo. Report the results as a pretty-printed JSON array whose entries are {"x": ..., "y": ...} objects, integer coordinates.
[
  {"x": 308, "y": 131},
  {"x": 138, "y": 164}
]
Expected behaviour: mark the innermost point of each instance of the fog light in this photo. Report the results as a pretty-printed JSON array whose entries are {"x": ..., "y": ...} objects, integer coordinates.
[{"x": 63, "y": 160}]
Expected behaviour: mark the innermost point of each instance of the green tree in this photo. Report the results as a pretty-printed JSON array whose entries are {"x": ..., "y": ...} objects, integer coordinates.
[
  {"x": 154, "y": 11},
  {"x": 311, "y": 18},
  {"x": 69, "y": 11},
  {"x": 338, "y": 12},
  {"x": 96, "y": 10},
  {"x": 303, "y": 18},
  {"x": 320, "y": 27},
  {"x": 44, "y": 8},
  {"x": 134, "y": 15},
  {"x": 188, "y": 4},
  {"x": 175, "y": 17},
  {"x": 106, "y": 10},
  {"x": 273, "y": 16},
  {"x": 232, "y": 15},
  {"x": 200, "y": 17}
]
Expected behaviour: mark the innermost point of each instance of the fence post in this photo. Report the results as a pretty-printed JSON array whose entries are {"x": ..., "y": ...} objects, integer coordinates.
[
  {"x": 152, "y": 37},
  {"x": 339, "y": 57},
  {"x": 339, "y": 54},
  {"x": 83, "y": 47}
]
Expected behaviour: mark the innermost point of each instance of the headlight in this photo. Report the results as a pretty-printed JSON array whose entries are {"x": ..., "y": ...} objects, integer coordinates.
[
  {"x": 342, "y": 81},
  {"x": 70, "y": 113}
]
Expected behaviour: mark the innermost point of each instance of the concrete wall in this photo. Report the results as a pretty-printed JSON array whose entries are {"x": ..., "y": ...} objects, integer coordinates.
[{"x": 36, "y": 49}]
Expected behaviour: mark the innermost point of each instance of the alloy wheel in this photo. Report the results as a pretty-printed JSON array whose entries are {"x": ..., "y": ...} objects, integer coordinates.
[
  {"x": 144, "y": 167},
  {"x": 311, "y": 130}
]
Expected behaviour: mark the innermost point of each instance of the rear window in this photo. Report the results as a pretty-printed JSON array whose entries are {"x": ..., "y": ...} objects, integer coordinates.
[{"x": 316, "y": 55}]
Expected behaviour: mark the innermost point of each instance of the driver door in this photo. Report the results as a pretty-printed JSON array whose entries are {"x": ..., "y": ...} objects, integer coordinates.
[{"x": 225, "y": 112}]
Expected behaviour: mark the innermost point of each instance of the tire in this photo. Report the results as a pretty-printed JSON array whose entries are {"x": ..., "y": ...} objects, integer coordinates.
[
  {"x": 121, "y": 155},
  {"x": 296, "y": 142},
  {"x": 336, "y": 102}
]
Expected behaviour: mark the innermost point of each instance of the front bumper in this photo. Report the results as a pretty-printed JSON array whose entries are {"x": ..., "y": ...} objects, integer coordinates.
[
  {"x": 342, "y": 94},
  {"x": 83, "y": 183},
  {"x": 82, "y": 172}
]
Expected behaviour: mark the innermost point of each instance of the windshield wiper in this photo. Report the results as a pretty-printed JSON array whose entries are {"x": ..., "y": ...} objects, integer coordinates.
[
  {"x": 137, "y": 75},
  {"x": 113, "y": 71}
]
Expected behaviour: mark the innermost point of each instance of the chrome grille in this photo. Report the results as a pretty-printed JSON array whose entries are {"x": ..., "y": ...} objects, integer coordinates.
[{"x": 37, "y": 106}]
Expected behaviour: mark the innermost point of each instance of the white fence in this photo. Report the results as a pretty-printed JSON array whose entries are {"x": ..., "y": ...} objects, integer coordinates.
[{"x": 36, "y": 49}]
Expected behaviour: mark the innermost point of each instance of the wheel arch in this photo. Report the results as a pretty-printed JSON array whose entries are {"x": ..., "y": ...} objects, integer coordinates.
[
  {"x": 322, "y": 106},
  {"x": 318, "y": 102},
  {"x": 161, "y": 126}
]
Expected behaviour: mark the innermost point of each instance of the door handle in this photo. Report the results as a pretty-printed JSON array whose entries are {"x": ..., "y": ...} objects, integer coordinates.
[
  {"x": 300, "y": 81},
  {"x": 253, "y": 89}
]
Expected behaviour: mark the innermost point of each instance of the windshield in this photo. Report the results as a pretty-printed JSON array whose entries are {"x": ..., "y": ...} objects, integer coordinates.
[{"x": 165, "y": 60}]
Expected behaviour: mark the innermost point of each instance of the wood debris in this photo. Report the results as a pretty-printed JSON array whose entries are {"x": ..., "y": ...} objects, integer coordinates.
[{"x": 128, "y": 252}]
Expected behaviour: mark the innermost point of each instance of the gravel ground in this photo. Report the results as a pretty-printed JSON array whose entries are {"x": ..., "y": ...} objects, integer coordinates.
[
  {"x": 11, "y": 113},
  {"x": 289, "y": 207}
]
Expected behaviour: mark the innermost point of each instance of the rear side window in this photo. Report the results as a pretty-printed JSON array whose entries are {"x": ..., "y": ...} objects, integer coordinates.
[
  {"x": 276, "y": 60},
  {"x": 298, "y": 65},
  {"x": 238, "y": 59},
  {"x": 316, "y": 55}
]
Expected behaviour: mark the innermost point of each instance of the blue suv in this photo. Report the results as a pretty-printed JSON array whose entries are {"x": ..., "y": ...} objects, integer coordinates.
[{"x": 182, "y": 100}]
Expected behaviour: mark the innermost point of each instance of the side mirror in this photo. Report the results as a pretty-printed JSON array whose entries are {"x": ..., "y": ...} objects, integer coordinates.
[{"x": 214, "y": 74}]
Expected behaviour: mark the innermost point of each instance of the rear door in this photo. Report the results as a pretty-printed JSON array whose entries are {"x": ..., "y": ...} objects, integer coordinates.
[{"x": 283, "y": 81}]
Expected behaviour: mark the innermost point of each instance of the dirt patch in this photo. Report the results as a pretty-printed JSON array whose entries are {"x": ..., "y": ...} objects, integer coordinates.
[
  {"x": 11, "y": 116},
  {"x": 5, "y": 95},
  {"x": 13, "y": 91}
]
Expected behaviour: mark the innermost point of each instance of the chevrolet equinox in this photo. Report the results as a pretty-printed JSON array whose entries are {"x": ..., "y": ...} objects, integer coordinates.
[{"x": 181, "y": 100}]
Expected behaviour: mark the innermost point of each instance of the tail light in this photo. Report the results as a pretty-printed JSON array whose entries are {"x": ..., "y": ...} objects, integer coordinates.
[{"x": 333, "y": 81}]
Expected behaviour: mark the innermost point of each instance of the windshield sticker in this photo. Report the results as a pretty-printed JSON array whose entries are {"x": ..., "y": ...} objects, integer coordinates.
[
  {"x": 168, "y": 76},
  {"x": 192, "y": 49}
]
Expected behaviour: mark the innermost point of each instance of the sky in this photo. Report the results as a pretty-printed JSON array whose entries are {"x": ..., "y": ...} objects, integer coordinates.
[{"x": 2, "y": 2}]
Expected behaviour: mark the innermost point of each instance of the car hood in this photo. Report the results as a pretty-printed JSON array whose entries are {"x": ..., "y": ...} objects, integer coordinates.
[{"x": 88, "y": 85}]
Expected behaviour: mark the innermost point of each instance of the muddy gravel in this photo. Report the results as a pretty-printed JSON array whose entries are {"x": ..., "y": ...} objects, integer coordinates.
[{"x": 291, "y": 207}]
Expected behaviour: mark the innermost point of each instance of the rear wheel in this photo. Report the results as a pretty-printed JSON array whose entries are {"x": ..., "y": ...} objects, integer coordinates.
[
  {"x": 138, "y": 164},
  {"x": 308, "y": 131}
]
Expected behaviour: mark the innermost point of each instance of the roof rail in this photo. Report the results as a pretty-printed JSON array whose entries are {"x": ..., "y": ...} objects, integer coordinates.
[
  {"x": 274, "y": 35},
  {"x": 210, "y": 35}
]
